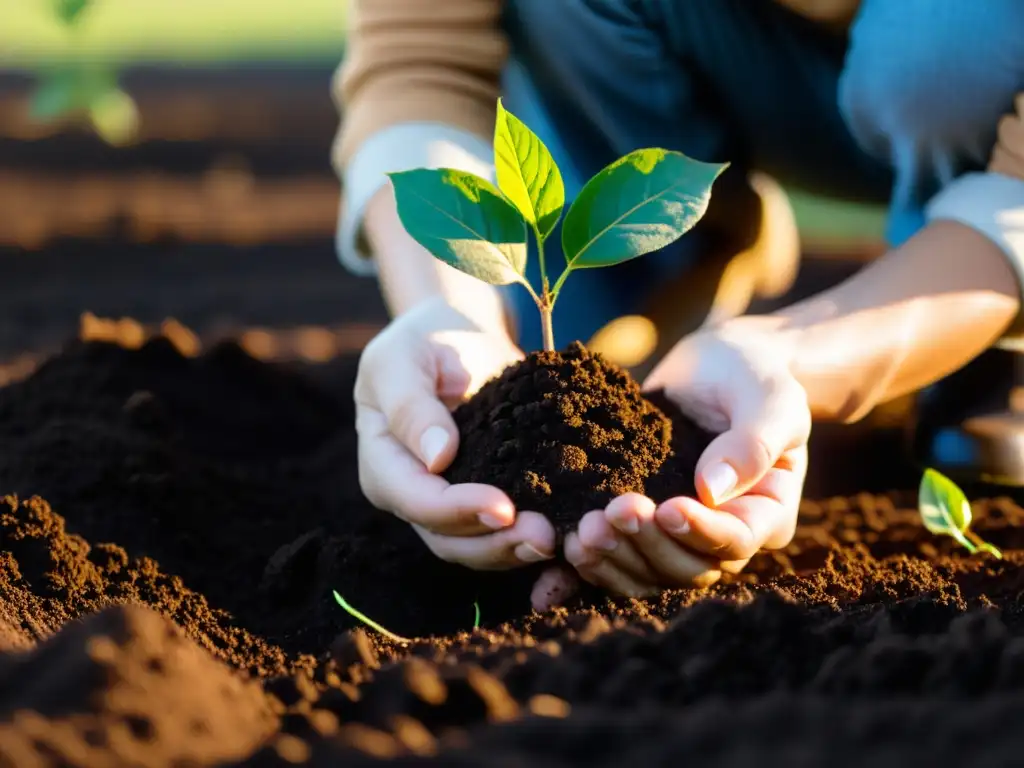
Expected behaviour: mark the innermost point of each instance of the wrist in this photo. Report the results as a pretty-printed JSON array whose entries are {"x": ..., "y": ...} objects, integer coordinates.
[{"x": 803, "y": 340}]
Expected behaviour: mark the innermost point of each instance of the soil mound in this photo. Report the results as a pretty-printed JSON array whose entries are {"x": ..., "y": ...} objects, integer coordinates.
[
  {"x": 563, "y": 433},
  {"x": 125, "y": 687}
]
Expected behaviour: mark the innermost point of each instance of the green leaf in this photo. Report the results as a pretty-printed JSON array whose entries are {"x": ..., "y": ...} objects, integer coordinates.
[
  {"x": 115, "y": 117},
  {"x": 638, "y": 204},
  {"x": 55, "y": 96},
  {"x": 527, "y": 173},
  {"x": 943, "y": 506},
  {"x": 70, "y": 11},
  {"x": 464, "y": 221}
]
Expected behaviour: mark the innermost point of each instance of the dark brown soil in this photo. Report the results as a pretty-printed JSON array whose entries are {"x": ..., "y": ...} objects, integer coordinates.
[
  {"x": 176, "y": 510},
  {"x": 563, "y": 433}
]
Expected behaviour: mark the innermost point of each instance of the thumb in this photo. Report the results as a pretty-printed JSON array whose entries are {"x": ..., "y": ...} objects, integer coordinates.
[
  {"x": 767, "y": 419},
  {"x": 407, "y": 397}
]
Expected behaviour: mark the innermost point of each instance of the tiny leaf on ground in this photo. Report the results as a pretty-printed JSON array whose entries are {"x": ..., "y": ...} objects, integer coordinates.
[
  {"x": 945, "y": 511},
  {"x": 944, "y": 507},
  {"x": 464, "y": 221},
  {"x": 55, "y": 96},
  {"x": 115, "y": 117},
  {"x": 527, "y": 173},
  {"x": 638, "y": 204}
]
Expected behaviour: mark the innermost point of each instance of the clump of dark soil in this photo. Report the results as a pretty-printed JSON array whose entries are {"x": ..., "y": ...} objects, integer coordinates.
[{"x": 564, "y": 433}]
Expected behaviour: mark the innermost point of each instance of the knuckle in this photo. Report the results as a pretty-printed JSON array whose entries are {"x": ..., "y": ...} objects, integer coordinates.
[
  {"x": 762, "y": 454},
  {"x": 404, "y": 416}
]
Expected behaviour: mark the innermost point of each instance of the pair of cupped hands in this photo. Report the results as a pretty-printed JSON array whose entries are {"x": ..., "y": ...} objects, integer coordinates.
[{"x": 732, "y": 379}]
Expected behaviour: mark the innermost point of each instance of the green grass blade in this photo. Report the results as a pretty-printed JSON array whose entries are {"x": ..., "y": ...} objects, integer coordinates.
[
  {"x": 476, "y": 620},
  {"x": 368, "y": 621}
]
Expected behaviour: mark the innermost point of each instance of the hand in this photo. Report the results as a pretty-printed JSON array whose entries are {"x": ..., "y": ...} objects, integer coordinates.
[
  {"x": 428, "y": 360},
  {"x": 734, "y": 380}
]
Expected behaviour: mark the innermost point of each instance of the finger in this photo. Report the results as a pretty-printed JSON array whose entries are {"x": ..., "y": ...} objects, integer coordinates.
[
  {"x": 395, "y": 481},
  {"x": 765, "y": 424},
  {"x": 733, "y": 566},
  {"x": 408, "y": 398},
  {"x": 553, "y": 587},
  {"x": 737, "y": 530},
  {"x": 674, "y": 564},
  {"x": 531, "y": 539},
  {"x": 603, "y": 573},
  {"x": 721, "y": 533},
  {"x": 599, "y": 539},
  {"x": 624, "y": 512}
]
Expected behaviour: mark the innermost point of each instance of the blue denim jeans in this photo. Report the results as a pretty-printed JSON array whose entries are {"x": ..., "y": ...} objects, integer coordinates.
[{"x": 904, "y": 104}]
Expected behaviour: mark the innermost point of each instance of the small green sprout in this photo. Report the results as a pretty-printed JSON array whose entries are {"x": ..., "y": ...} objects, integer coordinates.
[
  {"x": 70, "y": 11},
  {"x": 639, "y": 204},
  {"x": 946, "y": 511},
  {"x": 82, "y": 88},
  {"x": 368, "y": 621},
  {"x": 476, "y": 619}
]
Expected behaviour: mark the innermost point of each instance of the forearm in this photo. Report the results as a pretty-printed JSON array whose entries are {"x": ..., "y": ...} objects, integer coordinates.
[
  {"x": 905, "y": 321},
  {"x": 409, "y": 275}
]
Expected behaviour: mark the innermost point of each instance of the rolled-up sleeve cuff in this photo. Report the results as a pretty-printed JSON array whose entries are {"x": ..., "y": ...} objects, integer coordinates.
[
  {"x": 992, "y": 204},
  {"x": 400, "y": 148}
]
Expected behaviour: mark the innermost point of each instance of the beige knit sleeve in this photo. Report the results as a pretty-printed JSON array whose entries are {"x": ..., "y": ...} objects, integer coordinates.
[{"x": 433, "y": 61}]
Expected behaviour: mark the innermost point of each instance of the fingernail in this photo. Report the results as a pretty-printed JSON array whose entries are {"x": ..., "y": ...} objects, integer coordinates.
[
  {"x": 492, "y": 521},
  {"x": 673, "y": 521},
  {"x": 433, "y": 442},
  {"x": 627, "y": 525},
  {"x": 528, "y": 553},
  {"x": 720, "y": 479}
]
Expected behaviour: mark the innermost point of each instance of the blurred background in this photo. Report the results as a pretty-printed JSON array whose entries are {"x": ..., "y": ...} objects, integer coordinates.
[{"x": 165, "y": 165}]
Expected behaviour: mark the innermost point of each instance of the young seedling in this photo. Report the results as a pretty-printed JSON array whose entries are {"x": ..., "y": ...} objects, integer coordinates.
[
  {"x": 360, "y": 616},
  {"x": 945, "y": 511},
  {"x": 82, "y": 87},
  {"x": 368, "y": 621},
  {"x": 640, "y": 203}
]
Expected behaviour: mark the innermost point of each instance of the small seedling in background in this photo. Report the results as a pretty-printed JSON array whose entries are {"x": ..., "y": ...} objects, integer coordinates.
[
  {"x": 70, "y": 11},
  {"x": 638, "y": 204},
  {"x": 946, "y": 511},
  {"x": 81, "y": 88},
  {"x": 476, "y": 619},
  {"x": 368, "y": 621}
]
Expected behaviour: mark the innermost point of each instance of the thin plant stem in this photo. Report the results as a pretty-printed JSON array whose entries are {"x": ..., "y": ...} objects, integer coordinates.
[
  {"x": 476, "y": 620},
  {"x": 541, "y": 261},
  {"x": 533, "y": 294},
  {"x": 368, "y": 621},
  {"x": 546, "y": 326},
  {"x": 558, "y": 285},
  {"x": 982, "y": 544},
  {"x": 963, "y": 541}
]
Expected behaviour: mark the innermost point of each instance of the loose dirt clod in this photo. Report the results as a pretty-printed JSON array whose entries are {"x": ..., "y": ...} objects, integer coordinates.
[{"x": 563, "y": 433}]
